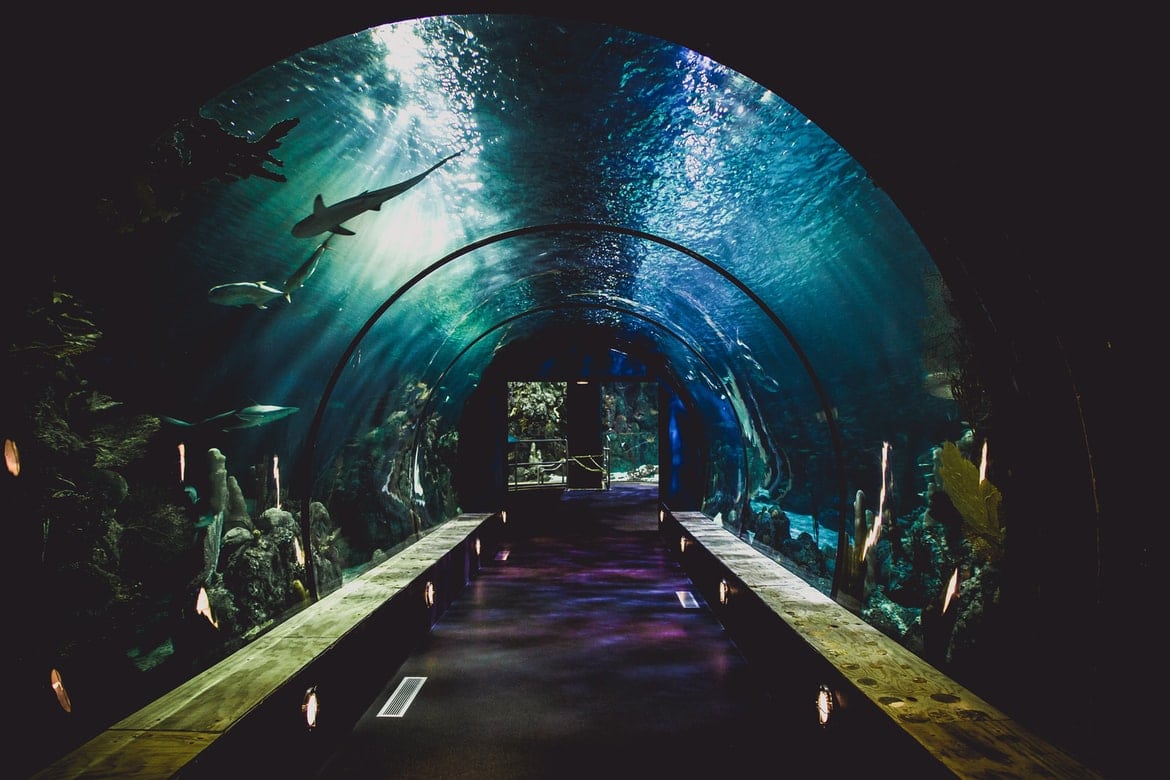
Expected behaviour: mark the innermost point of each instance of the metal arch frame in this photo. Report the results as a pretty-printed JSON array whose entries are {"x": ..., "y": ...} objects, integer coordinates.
[
  {"x": 580, "y": 305},
  {"x": 315, "y": 426},
  {"x": 634, "y": 312}
]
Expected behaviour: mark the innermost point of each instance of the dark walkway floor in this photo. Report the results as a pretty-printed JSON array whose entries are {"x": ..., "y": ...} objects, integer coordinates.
[{"x": 572, "y": 655}]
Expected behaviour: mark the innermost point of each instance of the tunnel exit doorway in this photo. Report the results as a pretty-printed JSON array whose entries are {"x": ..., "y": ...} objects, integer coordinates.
[{"x": 582, "y": 434}]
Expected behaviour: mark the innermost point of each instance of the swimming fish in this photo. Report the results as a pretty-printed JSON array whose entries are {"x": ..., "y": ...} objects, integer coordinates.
[
  {"x": 939, "y": 384},
  {"x": 257, "y": 294},
  {"x": 248, "y": 417},
  {"x": 301, "y": 275},
  {"x": 329, "y": 218}
]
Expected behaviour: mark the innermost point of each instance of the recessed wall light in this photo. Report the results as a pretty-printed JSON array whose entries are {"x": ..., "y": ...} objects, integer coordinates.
[
  {"x": 824, "y": 705},
  {"x": 311, "y": 707},
  {"x": 58, "y": 686}
]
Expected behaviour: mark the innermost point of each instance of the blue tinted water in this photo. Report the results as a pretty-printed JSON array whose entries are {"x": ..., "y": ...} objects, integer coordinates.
[{"x": 796, "y": 252}]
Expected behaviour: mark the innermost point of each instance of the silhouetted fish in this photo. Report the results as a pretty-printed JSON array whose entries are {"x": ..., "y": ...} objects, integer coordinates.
[
  {"x": 248, "y": 417},
  {"x": 329, "y": 218},
  {"x": 305, "y": 271},
  {"x": 258, "y": 294}
]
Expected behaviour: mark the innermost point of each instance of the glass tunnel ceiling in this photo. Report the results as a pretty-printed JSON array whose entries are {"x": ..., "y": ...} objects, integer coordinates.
[{"x": 603, "y": 182}]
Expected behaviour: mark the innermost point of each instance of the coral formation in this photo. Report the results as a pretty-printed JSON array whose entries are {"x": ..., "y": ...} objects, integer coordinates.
[
  {"x": 901, "y": 583},
  {"x": 192, "y": 154},
  {"x": 121, "y": 555}
]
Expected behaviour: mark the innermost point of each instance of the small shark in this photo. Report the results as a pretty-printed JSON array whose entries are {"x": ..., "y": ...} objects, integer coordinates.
[
  {"x": 329, "y": 218},
  {"x": 258, "y": 294},
  {"x": 301, "y": 275},
  {"x": 248, "y": 417}
]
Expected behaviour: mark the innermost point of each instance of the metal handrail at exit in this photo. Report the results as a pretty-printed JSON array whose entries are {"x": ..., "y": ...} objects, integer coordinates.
[{"x": 541, "y": 462}]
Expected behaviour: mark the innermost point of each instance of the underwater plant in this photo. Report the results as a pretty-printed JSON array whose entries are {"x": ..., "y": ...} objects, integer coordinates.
[{"x": 976, "y": 500}]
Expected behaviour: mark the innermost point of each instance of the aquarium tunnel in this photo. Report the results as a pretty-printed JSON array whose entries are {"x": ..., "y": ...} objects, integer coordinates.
[{"x": 408, "y": 272}]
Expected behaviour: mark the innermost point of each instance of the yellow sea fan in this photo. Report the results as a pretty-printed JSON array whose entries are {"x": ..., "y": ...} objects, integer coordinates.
[{"x": 977, "y": 502}]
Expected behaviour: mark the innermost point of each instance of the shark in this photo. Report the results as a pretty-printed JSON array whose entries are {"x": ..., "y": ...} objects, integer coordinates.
[
  {"x": 302, "y": 274},
  {"x": 248, "y": 417},
  {"x": 329, "y": 218},
  {"x": 258, "y": 294}
]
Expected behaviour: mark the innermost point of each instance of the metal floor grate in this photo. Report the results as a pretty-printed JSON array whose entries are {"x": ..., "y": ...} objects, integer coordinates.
[
  {"x": 687, "y": 599},
  {"x": 399, "y": 701}
]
